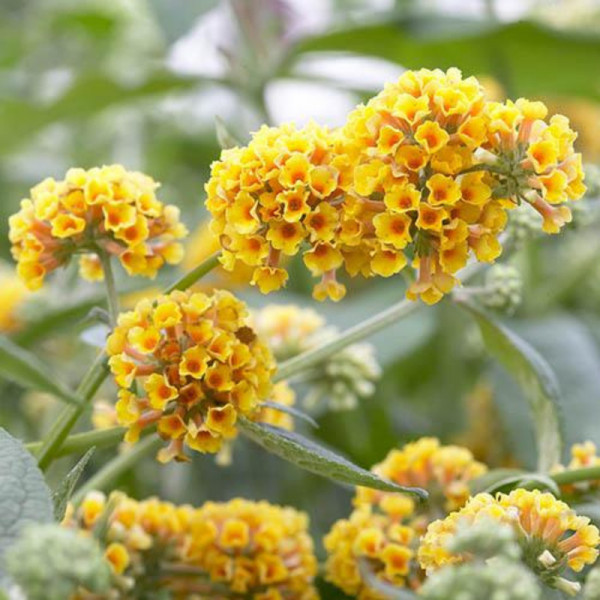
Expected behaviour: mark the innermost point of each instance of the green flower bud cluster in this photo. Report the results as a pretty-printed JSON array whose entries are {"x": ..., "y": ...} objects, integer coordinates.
[
  {"x": 503, "y": 289},
  {"x": 523, "y": 224},
  {"x": 346, "y": 378},
  {"x": 50, "y": 562}
]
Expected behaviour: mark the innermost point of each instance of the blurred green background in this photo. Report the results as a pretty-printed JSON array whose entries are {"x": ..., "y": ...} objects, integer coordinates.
[{"x": 140, "y": 82}]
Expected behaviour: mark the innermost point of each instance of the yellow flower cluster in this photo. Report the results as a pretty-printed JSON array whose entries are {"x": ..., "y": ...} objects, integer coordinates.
[
  {"x": 136, "y": 536},
  {"x": 436, "y": 168},
  {"x": 269, "y": 197},
  {"x": 189, "y": 364},
  {"x": 382, "y": 533},
  {"x": 582, "y": 455},
  {"x": 445, "y": 471},
  {"x": 287, "y": 328},
  {"x": 105, "y": 210},
  {"x": 251, "y": 549},
  {"x": 424, "y": 172},
  {"x": 382, "y": 544},
  {"x": 552, "y": 535}
]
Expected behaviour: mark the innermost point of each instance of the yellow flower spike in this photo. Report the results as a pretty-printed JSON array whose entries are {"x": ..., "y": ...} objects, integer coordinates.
[
  {"x": 295, "y": 170},
  {"x": 329, "y": 288},
  {"x": 431, "y": 217},
  {"x": 543, "y": 154},
  {"x": 242, "y": 214},
  {"x": 108, "y": 208},
  {"x": 194, "y": 370},
  {"x": 323, "y": 181},
  {"x": 544, "y": 526},
  {"x": 370, "y": 540},
  {"x": 295, "y": 205},
  {"x": 322, "y": 223},
  {"x": 427, "y": 464},
  {"x": 386, "y": 262}
]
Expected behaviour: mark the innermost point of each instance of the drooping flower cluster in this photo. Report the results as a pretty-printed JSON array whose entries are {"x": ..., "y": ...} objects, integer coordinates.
[
  {"x": 357, "y": 546},
  {"x": 252, "y": 549},
  {"x": 269, "y": 197},
  {"x": 189, "y": 364},
  {"x": 102, "y": 210},
  {"x": 445, "y": 471},
  {"x": 373, "y": 543},
  {"x": 553, "y": 538},
  {"x": 339, "y": 382},
  {"x": 423, "y": 173}
]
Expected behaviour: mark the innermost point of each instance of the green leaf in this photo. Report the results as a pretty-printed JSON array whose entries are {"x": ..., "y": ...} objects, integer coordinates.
[
  {"x": 503, "y": 478},
  {"x": 511, "y": 52},
  {"x": 225, "y": 138},
  {"x": 62, "y": 494},
  {"x": 24, "y": 495},
  {"x": 24, "y": 368},
  {"x": 536, "y": 379},
  {"x": 491, "y": 479},
  {"x": 309, "y": 455}
]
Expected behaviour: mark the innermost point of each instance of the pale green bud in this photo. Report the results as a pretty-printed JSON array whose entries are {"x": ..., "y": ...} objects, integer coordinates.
[{"x": 50, "y": 562}]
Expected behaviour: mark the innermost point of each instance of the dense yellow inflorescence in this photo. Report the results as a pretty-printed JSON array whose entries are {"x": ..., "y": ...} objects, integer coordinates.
[
  {"x": 268, "y": 198},
  {"x": 189, "y": 364},
  {"x": 552, "y": 535},
  {"x": 252, "y": 549},
  {"x": 383, "y": 545},
  {"x": 424, "y": 173},
  {"x": 102, "y": 210},
  {"x": 444, "y": 471},
  {"x": 358, "y": 546}
]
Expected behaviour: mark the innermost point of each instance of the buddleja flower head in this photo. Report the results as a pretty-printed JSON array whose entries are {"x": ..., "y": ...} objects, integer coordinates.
[
  {"x": 444, "y": 471},
  {"x": 189, "y": 363},
  {"x": 253, "y": 549},
  {"x": 416, "y": 194},
  {"x": 582, "y": 455},
  {"x": 373, "y": 543},
  {"x": 272, "y": 196},
  {"x": 138, "y": 539},
  {"x": 553, "y": 538},
  {"x": 101, "y": 210},
  {"x": 337, "y": 383},
  {"x": 357, "y": 546}
]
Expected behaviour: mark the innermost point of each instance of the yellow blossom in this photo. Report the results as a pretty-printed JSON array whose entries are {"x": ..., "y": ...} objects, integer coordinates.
[
  {"x": 108, "y": 210},
  {"x": 180, "y": 361}
]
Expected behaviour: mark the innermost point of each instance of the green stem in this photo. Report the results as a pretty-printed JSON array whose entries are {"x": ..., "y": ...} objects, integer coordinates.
[
  {"x": 88, "y": 387},
  {"x": 81, "y": 442},
  {"x": 112, "y": 470},
  {"x": 111, "y": 288},
  {"x": 194, "y": 275},
  {"x": 354, "y": 334},
  {"x": 575, "y": 475}
]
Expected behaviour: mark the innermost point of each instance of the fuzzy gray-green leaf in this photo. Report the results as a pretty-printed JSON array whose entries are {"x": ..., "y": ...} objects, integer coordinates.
[
  {"x": 536, "y": 379},
  {"x": 24, "y": 495},
  {"x": 24, "y": 368},
  {"x": 309, "y": 455}
]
